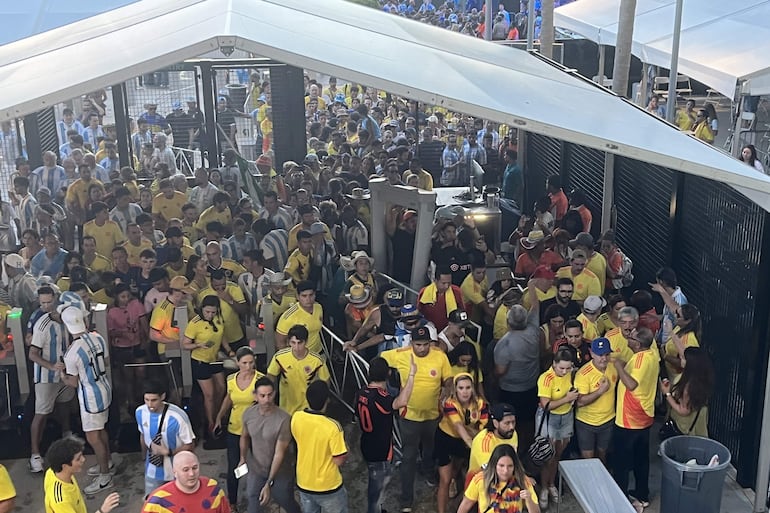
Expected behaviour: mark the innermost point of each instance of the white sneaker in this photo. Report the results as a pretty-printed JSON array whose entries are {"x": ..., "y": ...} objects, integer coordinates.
[
  {"x": 100, "y": 483},
  {"x": 95, "y": 470},
  {"x": 36, "y": 463},
  {"x": 554, "y": 493},
  {"x": 543, "y": 502}
]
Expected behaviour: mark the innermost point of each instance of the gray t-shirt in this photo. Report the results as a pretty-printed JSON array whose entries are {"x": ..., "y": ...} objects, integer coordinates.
[
  {"x": 265, "y": 431},
  {"x": 520, "y": 352}
]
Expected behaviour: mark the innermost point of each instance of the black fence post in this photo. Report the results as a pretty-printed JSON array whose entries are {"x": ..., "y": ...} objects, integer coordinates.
[
  {"x": 122, "y": 125},
  {"x": 288, "y": 109},
  {"x": 209, "y": 108},
  {"x": 40, "y": 135}
]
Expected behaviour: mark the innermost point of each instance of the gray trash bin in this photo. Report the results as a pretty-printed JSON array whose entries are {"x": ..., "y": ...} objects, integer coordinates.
[{"x": 692, "y": 489}]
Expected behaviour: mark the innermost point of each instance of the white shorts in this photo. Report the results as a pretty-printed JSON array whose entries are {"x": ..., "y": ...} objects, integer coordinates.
[
  {"x": 93, "y": 421},
  {"x": 48, "y": 394}
]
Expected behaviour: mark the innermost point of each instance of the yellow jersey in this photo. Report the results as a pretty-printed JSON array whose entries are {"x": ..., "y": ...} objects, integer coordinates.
[
  {"x": 636, "y": 408},
  {"x": 319, "y": 440},
  {"x": 604, "y": 324},
  {"x": 212, "y": 214},
  {"x": 590, "y": 328},
  {"x": 7, "y": 490},
  {"x": 541, "y": 296},
  {"x": 602, "y": 410},
  {"x": 507, "y": 496},
  {"x": 99, "y": 263},
  {"x": 163, "y": 320},
  {"x": 483, "y": 445},
  {"x": 135, "y": 251},
  {"x": 597, "y": 264},
  {"x": 169, "y": 208},
  {"x": 586, "y": 283},
  {"x": 500, "y": 324},
  {"x": 294, "y": 375},
  {"x": 553, "y": 387},
  {"x": 432, "y": 371},
  {"x": 474, "y": 293},
  {"x": 689, "y": 340},
  {"x": 241, "y": 400},
  {"x": 78, "y": 192},
  {"x": 107, "y": 236},
  {"x": 297, "y": 267},
  {"x": 292, "y": 244},
  {"x": 61, "y": 497},
  {"x": 279, "y": 307},
  {"x": 295, "y": 314},
  {"x": 200, "y": 331},
  {"x": 619, "y": 345},
  {"x": 232, "y": 322},
  {"x": 454, "y": 412}
]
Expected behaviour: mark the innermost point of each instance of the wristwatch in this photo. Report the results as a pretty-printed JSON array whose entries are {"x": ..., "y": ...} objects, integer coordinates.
[{"x": 271, "y": 483}]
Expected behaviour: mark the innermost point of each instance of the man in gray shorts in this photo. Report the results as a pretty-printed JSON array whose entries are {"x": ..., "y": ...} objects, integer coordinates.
[
  {"x": 49, "y": 343},
  {"x": 596, "y": 382}
]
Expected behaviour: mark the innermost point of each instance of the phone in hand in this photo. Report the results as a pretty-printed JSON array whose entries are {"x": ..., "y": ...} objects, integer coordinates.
[{"x": 241, "y": 471}]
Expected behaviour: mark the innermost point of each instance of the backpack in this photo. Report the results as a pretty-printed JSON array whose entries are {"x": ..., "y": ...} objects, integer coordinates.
[
  {"x": 625, "y": 277},
  {"x": 572, "y": 222}
]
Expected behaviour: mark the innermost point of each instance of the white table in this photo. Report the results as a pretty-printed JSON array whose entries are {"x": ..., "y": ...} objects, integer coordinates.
[{"x": 593, "y": 487}]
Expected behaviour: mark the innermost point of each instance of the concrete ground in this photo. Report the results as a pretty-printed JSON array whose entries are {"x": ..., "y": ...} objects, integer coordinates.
[{"x": 130, "y": 484}]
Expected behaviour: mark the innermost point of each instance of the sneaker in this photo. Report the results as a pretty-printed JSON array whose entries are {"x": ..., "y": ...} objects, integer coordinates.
[
  {"x": 554, "y": 493},
  {"x": 100, "y": 483},
  {"x": 36, "y": 464},
  {"x": 543, "y": 502},
  {"x": 95, "y": 470},
  {"x": 406, "y": 510},
  {"x": 431, "y": 481}
]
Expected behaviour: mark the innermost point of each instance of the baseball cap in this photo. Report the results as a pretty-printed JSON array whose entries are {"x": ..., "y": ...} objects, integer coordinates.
[
  {"x": 177, "y": 105},
  {"x": 501, "y": 410},
  {"x": 409, "y": 214},
  {"x": 601, "y": 346},
  {"x": 181, "y": 283},
  {"x": 305, "y": 209},
  {"x": 578, "y": 253},
  {"x": 409, "y": 310},
  {"x": 44, "y": 190},
  {"x": 317, "y": 228},
  {"x": 459, "y": 317},
  {"x": 14, "y": 261},
  {"x": 394, "y": 297},
  {"x": 593, "y": 304},
  {"x": 543, "y": 271},
  {"x": 421, "y": 333},
  {"x": 72, "y": 317},
  {"x": 174, "y": 231}
]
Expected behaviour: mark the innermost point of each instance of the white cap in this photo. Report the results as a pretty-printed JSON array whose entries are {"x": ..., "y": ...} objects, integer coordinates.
[
  {"x": 72, "y": 317},
  {"x": 15, "y": 261}
]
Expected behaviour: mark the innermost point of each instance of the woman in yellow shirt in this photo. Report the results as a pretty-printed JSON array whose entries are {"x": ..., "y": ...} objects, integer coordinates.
[
  {"x": 464, "y": 414},
  {"x": 502, "y": 486},
  {"x": 464, "y": 358},
  {"x": 197, "y": 274},
  {"x": 239, "y": 396},
  {"x": 685, "y": 334},
  {"x": 557, "y": 397},
  {"x": 204, "y": 336}
]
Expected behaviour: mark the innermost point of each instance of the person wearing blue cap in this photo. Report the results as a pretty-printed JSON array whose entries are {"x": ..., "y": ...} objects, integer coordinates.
[
  {"x": 182, "y": 125},
  {"x": 596, "y": 382}
]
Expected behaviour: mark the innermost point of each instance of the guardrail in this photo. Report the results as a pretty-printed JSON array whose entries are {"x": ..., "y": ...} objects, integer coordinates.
[{"x": 409, "y": 292}]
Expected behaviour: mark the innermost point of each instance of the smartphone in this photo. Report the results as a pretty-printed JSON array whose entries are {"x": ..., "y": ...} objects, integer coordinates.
[{"x": 241, "y": 471}]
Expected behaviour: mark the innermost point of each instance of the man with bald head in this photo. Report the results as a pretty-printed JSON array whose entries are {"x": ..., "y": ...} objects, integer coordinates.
[
  {"x": 189, "y": 491},
  {"x": 215, "y": 261}
]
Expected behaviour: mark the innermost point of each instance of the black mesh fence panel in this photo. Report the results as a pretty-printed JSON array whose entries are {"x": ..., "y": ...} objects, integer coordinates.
[
  {"x": 717, "y": 262},
  {"x": 585, "y": 169},
  {"x": 642, "y": 200},
  {"x": 543, "y": 160}
]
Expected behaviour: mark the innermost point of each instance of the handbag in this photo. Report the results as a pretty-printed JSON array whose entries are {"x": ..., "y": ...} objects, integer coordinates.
[
  {"x": 541, "y": 449},
  {"x": 157, "y": 459},
  {"x": 670, "y": 429}
]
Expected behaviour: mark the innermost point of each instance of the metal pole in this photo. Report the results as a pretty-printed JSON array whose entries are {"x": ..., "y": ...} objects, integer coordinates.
[
  {"x": 488, "y": 6},
  {"x": 530, "y": 24},
  {"x": 671, "y": 104},
  {"x": 602, "y": 59}
]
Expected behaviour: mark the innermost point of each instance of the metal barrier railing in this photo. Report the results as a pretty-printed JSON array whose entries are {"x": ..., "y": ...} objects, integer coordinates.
[
  {"x": 409, "y": 292},
  {"x": 186, "y": 158}
]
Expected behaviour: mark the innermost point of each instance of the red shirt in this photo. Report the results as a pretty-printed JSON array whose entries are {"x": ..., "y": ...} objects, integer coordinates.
[
  {"x": 168, "y": 498},
  {"x": 559, "y": 204},
  {"x": 525, "y": 265},
  {"x": 436, "y": 312}
]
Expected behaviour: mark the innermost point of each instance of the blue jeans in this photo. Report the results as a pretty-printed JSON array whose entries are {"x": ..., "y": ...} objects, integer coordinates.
[
  {"x": 335, "y": 502},
  {"x": 282, "y": 492},
  {"x": 379, "y": 477}
]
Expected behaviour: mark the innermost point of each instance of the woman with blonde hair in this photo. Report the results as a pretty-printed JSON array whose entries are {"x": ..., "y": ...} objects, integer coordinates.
[
  {"x": 502, "y": 487},
  {"x": 464, "y": 414}
]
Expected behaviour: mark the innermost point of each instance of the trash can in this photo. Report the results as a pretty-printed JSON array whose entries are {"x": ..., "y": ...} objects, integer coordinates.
[
  {"x": 237, "y": 93},
  {"x": 692, "y": 488}
]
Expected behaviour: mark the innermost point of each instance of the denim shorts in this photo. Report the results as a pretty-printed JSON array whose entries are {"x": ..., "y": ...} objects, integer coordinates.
[{"x": 557, "y": 427}]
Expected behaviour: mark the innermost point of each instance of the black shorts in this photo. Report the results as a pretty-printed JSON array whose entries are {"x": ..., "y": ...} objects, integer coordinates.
[
  {"x": 122, "y": 355},
  {"x": 446, "y": 448},
  {"x": 202, "y": 371},
  {"x": 591, "y": 438}
]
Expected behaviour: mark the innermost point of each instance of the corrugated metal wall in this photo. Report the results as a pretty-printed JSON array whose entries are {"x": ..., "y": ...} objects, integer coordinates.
[
  {"x": 543, "y": 160},
  {"x": 585, "y": 170}
]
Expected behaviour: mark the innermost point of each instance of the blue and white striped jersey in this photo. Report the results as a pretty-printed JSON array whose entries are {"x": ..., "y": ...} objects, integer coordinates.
[
  {"x": 51, "y": 338},
  {"x": 176, "y": 431},
  {"x": 85, "y": 359}
]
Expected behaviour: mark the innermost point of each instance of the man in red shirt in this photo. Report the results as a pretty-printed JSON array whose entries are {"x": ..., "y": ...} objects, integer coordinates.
[
  {"x": 559, "y": 201},
  {"x": 437, "y": 300},
  {"x": 189, "y": 491}
]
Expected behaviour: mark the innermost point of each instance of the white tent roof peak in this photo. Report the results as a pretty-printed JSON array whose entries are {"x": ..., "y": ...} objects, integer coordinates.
[
  {"x": 368, "y": 46},
  {"x": 722, "y": 42}
]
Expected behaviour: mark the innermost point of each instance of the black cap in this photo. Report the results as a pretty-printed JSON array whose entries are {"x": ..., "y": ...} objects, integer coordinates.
[
  {"x": 174, "y": 231},
  {"x": 305, "y": 209},
  {"x": 501, "y": 410},
  {"x": 421, "y": 333},
  {"x": 459, "y": 317},
  {"x": 157, "y": 274}
]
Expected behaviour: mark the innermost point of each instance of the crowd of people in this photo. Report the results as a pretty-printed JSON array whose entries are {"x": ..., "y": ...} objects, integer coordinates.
[{"x": 476, "y": 368}]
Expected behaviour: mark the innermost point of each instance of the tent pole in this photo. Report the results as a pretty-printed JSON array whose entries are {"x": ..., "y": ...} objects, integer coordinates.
[
  {"x": 671, "y": 104},
  {"x": 643, "y": 93},
  {"x": 488, "y": 8},
  {"x": 530, "y": 25},
  {"x": 602, "y": 52}
]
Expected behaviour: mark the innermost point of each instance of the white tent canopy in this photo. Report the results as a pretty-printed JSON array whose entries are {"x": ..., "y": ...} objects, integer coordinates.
[
  {"x": 722, "y": 42},
  {"x": 405, "y": 57}
]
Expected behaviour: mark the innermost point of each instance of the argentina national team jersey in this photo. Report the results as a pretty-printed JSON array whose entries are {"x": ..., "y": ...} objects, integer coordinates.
[
  {"x": 85, "y": 359},
  {"x": 51, "y": 338},
  {"x": 176, "y": 431}
]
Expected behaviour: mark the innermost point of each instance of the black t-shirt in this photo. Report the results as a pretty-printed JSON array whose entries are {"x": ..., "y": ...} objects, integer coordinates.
[
  {"x": 572, "y": 310},
  {"x": 580, "y": 355},
  {"x": 458, "y": 261},
  {"x": 430, "y": 156},
  {"x": 180, "y": 128},
  {"x": 403, "y": 249},
  {"x": 374, "y": 409}
]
